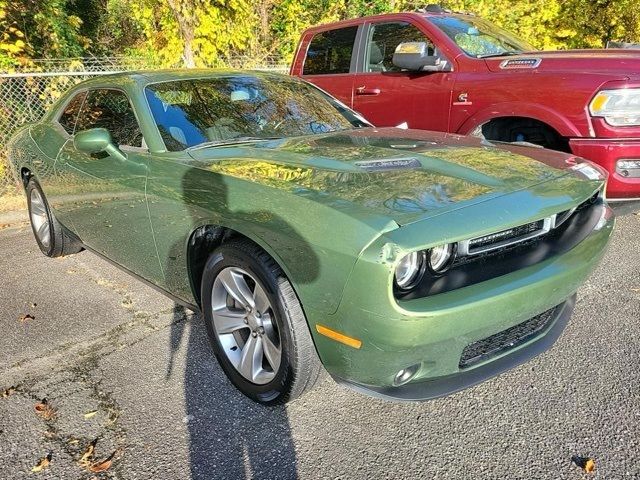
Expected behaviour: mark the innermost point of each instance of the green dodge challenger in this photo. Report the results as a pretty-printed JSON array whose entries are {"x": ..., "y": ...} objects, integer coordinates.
[{"x": 408, "y": 264}]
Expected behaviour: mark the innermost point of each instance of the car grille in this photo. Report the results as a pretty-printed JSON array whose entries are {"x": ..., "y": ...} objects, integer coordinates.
[
  {"x": 505, "y": 340},
  {"x": 512, "y": 235}
]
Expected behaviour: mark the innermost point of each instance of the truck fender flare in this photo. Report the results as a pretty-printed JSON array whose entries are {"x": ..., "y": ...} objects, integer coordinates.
[{"x": 543, "y": 114}]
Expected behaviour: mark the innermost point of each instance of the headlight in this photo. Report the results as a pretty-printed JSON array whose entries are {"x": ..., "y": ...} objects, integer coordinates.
[
  {"x": 620, "y": 107},
  {"x": 441, "y": 257},
  {"x": 410, "y": 270}
]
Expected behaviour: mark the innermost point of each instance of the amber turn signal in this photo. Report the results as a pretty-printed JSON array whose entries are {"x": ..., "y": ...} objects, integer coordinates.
[{"x": 338, "y": 337}]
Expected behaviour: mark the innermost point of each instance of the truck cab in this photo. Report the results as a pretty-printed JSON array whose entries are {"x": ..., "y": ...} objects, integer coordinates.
[{"x": 451, "y": 72}]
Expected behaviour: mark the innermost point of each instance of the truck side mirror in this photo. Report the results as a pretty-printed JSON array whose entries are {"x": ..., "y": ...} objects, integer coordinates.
[
  {"x": 414, "y": 56},
  {"x": 97, "y": 140}
]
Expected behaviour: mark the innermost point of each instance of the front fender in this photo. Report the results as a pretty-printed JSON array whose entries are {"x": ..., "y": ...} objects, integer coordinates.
[{"x": 544, "y": 114}]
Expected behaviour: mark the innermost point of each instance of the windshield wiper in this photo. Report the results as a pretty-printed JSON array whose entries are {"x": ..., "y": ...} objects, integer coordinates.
[
  {"x": 231, "y": 141},
  {"x": 503, "y": 54}
]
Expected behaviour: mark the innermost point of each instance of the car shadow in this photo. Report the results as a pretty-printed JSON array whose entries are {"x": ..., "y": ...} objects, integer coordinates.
[{"x": 230, "y": 436}]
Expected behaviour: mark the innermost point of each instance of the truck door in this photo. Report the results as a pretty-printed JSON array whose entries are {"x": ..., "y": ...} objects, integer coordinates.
[
  {"x": 330, "y": 62},
  {"x": 387, "y": 96}
]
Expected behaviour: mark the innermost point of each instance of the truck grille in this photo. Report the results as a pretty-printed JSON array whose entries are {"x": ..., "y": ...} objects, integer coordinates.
[{"x": 505, "y": 340}]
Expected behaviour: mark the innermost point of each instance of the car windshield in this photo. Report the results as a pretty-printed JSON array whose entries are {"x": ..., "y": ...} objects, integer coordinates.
[
  {"x": 480, "y": 38},
  {"x": 242, "y": 108}
]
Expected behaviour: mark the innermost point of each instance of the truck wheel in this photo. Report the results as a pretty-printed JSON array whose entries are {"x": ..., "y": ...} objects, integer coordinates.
[
  {"x": 51, "y": 237},
  {"x": 256, "y": 325}
]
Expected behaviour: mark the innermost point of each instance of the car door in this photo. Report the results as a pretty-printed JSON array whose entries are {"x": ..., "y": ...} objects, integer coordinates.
[
  {"x": 388, "y": 96},
  {"x": 105, "y": 196},
  {"x": 330, "y": 62}
]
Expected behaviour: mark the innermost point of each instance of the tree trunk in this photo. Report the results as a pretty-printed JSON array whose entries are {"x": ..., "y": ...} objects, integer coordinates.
[{"x": 186, "y": 23}]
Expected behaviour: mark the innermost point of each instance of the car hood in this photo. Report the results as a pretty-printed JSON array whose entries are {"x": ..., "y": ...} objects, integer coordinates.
[
  {"x": 404, "y": 175},
  {"x": 617, "y": 63}
]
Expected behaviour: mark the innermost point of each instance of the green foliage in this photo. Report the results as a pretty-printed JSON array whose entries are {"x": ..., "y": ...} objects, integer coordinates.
[{"x": 212, "y": 32}]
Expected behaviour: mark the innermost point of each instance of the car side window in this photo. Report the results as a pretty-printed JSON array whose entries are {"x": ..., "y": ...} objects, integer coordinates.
[
  {"x": 69, "y": 115},
  {"x": 330, "y": 52},
  {"x": 111, "y": 109},
  {"x": 382, "y": 43}
]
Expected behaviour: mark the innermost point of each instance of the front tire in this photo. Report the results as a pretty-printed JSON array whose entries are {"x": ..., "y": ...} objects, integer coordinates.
[
  {"x": 256, "y": 325},
  {"x": 50, "y": 235}
]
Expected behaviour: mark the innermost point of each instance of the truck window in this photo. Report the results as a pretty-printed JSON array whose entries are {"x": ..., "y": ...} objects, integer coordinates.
[
  {"x": 383, "y": 40},
  {"x": 330, "y": 52}
]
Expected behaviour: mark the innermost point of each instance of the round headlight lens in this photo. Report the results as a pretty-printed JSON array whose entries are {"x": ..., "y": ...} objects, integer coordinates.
[
  {"x": 440, "y": 257},
  {"x": 409, "y": 270}
]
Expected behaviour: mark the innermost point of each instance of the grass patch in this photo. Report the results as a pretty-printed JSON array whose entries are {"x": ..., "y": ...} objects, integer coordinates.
[{"x": 12, "y": 202}]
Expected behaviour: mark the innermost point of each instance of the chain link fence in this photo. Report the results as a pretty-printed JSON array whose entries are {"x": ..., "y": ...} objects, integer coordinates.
[{"x": 26, "y": 94}]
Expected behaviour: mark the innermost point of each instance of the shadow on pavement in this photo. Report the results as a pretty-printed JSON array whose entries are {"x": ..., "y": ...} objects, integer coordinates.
[{"x": 230, "y": 435}]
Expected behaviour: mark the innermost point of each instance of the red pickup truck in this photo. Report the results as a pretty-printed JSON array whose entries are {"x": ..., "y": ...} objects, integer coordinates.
[{"x": 451, "y": 72}]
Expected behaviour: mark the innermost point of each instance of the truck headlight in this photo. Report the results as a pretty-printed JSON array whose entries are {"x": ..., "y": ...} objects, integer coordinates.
[{"x": 620, "y": 107}]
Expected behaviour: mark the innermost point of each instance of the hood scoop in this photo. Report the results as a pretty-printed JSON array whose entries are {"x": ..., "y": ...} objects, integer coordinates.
[{"x": 388, "y": 164}]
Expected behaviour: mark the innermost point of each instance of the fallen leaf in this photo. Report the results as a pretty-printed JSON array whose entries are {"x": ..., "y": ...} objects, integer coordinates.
[
  {"x": 8, "y": 391},
  {"x": 27, "y": 317},
  {"x": 85, "y": 460},
  {"x": 45, "y": 410},
  {"x": 43, "y": 463},
  {"x": 73, "y": 441},
  {"x": 585, "y": 463},
  {"x": 103, "y": 465},
  {"x": 90, "y": 414}
]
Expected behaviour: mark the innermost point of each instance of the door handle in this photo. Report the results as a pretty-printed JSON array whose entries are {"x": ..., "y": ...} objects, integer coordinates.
[{"x": 367, "y": 91}]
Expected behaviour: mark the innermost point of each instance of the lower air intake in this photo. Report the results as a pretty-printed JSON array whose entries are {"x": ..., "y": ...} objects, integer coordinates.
[{"x": 505, "y": 340}]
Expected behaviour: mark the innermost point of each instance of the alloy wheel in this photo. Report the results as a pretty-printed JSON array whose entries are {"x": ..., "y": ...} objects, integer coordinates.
[
  {"x": 243, "y": 319},
  {"x": 40, "y": 218}
]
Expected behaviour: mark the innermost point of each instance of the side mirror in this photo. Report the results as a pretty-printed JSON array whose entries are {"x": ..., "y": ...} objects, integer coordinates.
[
  {"x": 97, "y": 140},
  {"x": 414, "y": 56}
]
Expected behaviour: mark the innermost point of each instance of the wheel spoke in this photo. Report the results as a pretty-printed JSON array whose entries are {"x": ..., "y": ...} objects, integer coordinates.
[
  {"x": 42, "y": 229},
  {"x": 261, "y": 300},
  {"x": 251, "y": 360},
  {"x": 271, "y": 353},
  {"x": 237, "y": 287},
  {"x": 228, "y": 321}
]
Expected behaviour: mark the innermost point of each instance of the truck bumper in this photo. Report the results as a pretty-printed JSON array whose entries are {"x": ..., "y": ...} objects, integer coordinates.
[
  {"x": 456, "y": 339},
  {"x": 606, "y": 152}
]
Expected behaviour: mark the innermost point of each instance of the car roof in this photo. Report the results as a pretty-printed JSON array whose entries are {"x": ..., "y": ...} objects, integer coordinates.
[{"x": 146, "y": 77}]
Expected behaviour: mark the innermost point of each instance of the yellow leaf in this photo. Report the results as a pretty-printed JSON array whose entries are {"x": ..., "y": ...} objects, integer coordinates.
[
  {"x": 90, "y": 414},
  {"x": 42, "y": 463}
]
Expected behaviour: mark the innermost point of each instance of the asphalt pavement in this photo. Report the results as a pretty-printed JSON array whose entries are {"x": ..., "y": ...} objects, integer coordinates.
[{"x": 118, "y": 362}]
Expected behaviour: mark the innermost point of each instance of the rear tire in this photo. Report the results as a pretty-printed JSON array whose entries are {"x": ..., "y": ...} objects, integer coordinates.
[
  {"x": 50, "y": 235},
  {"x": 256, "y": 323}
]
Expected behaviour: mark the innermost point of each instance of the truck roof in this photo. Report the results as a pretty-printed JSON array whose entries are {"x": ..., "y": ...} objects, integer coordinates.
[{"x": 382, "y": 16}]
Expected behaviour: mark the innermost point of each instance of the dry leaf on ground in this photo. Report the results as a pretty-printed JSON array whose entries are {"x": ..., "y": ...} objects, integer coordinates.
[
  {"x": 103, "y": 465},
  {"x": 42, "y": 463},
  {"x": 585, "y": 463},
  {"x": 44, "y": 410},
  {"x": 26, "y": 318},
  {"x": 90, "y": 414},
  {"x": 87, "y": 462},
  {"x": 88, "y": 454},
  {"x": 8, "y": 391}
]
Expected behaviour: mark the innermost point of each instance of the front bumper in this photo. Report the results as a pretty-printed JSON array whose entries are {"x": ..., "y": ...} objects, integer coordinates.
[
  {"x": 446, "y": 385},
  {"x": 433, "y": 332},
  {"x": 606, "y": 152}
]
